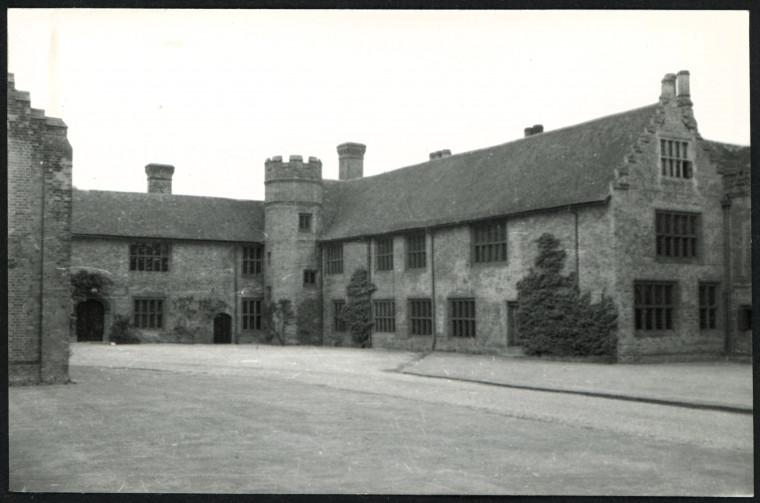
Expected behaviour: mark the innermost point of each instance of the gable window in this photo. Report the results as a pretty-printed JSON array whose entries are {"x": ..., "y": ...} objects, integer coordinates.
[
  {"x": 339, "y": 324},
  {"x": 462, "y": 317},
  {"x": 304, "y": 222},
  {"x": 334, "y": 259},
  {"x": 149, "y": 256},
  {"x": 676, "y": 234},
  {"x": 384, "y": 253},
  {"x": 251, "y": 314},
  {"x": 415, "y": 251},
  {"x": 708, "y": 306},
  {"x": 489, "y": 242},
  {"x": 653, "y": 305},
  {"x": 385, "y": 315},
  {"x": 252, "y": 258},
  {"x": 421, "y": 316},
  {"x": 149, "y": 313},
  {"x": 674, "y": 159},
  {"x": 309, "y": 277}
]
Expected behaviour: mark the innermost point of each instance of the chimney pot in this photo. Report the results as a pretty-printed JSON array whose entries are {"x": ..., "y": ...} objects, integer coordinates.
[
  {"x": 351, "y": 160},
  {"x": 159, "y": 178}
]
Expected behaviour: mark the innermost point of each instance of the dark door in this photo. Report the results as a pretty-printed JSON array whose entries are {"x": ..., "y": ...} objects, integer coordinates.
[
  {"x": 222, "y": 329},
  {"x": 89, "y": 321}
]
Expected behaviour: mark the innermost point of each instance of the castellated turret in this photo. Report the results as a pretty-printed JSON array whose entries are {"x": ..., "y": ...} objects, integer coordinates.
[{"x": 293, "y": 220}]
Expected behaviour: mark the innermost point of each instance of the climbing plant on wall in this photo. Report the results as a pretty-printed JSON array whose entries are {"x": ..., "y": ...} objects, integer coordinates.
[
  {"x": 195, "y": 314},
  {"x": 357, "y": 313},
  {"x": 87, "y": 284},
  {"x": 278, "y": 317},
  {"x": 555, "y": 317}
]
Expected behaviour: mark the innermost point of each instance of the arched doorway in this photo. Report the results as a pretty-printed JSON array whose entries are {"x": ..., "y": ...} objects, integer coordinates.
[
  {"x": 90, "y": 321},
  {"x": 222, "y": 329}
]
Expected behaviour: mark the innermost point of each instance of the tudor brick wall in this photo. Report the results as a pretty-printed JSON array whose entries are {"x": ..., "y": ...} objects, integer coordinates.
[
  {"x": 39, "y": 243},
  {"x": 490, "y": 285},
  {"x": 197, "y": 269},
  {"x": 644, "y": 191}
]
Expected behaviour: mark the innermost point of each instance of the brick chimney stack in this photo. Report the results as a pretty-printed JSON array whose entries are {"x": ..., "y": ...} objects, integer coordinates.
[
  {"x": 668, "y": 87},
  {"x": 159, "y": 178},
  {"x": 351, "y": 160},
  {"x": 682, "y": 87}
]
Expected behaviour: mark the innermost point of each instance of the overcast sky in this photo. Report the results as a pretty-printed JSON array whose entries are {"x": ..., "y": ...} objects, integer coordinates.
[{"x": 217, "y": 92}]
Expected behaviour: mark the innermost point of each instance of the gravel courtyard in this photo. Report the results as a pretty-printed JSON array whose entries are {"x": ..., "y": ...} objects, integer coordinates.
[{"x": 247, "y": 419}]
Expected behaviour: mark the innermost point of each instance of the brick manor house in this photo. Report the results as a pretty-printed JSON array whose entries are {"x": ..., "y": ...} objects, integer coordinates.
[{"x": 647, "y": 211}]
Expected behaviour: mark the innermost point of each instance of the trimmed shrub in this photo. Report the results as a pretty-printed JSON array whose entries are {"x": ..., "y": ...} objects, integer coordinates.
[
  {"x": 122, "y": 331},
  {"x": 555, "y": 318},
  {"x": 357, "y": 313}
]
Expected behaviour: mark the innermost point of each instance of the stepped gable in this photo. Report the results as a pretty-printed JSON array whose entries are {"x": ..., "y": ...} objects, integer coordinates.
[
  {"x": 170, "y": 216},
  {"x": 572, "y": 165}
]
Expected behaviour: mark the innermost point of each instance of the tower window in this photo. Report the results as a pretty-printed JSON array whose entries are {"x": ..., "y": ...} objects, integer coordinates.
[
  {"x": 304, "y": 222},
  {"x": 309, "y": 277}
]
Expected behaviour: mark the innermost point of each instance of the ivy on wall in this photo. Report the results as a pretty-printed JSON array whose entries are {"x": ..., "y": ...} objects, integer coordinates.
[
  {"x": 86, "y": 285},
  {"x": 194, "y": 315},
  {"x": 278, "y": 316},
  {"x": 555, "y": 317}
]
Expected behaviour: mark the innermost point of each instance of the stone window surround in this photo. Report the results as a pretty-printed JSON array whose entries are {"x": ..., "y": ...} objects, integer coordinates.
[
  {"x": 649, "y": 311},
  {"x": 416, "y": 253},
  {"x": 304, "y": 222},
  {"x": 148, "y": 312},
  {"x": 251, "y": 313},
  {"x": 676, "y": 157},
  {"x": 309, "y": 277},
  {"x": 462, "y": 317},
  {"x": 384, "y": 254},
  {"x": 384, "y": 315},
  {"x": 420, "y": 316},
  {"x": 149, "y": 256},
  {"x": 708, "y": 296},
  {"x": 665, "y": 237},
  {"x": 253, "y": 259},
  {"x": 334, "y": 258},
  {"x": 489, "y": 242}
]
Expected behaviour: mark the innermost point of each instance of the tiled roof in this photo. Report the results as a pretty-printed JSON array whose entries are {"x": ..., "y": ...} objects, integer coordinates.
[
  {"x": 729, "y": 158},
  {"x": 132, "y": 214},
  {"x": 572, "y": 165}
]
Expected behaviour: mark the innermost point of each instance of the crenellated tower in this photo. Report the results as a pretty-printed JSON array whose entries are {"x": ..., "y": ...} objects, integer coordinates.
[{"x": 293, "y": 219}]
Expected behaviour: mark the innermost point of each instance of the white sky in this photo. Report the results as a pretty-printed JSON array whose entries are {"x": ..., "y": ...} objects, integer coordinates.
[{"x": 217, "y": 92}]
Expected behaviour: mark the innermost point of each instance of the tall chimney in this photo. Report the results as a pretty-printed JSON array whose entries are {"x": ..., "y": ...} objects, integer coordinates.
[
  {"x": 668, "y": 87},
  {"x": 682, "y": 86},
  {"x": 159, "y": 178},
  {"x": 351, "y": 160}
]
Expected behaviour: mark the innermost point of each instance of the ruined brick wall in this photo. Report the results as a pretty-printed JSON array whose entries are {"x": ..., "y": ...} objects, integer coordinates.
[
  {"x": 294, "y": 188},
  {"x": 39, "y": 242},
  {"x": 640, "y": 190},
  {"x": 198, "y": 270}
]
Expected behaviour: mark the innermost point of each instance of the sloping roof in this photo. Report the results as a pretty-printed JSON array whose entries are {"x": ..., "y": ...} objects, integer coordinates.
[
  {"x": 567, "y": 166},
  {"x": 729, "y": 158},
  {"x": 132, "y": 214}
]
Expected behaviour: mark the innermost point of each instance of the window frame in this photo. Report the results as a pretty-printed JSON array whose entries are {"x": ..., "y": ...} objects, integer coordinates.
[
  {"x": 163, "y": 256},
  {"x": 667, "y": 232},
  {"x": 420, "y": 323},
  {"x": 708, "y": 305},
  {"x": 489, "y": 239},
  {"x": 141, "y": 318},
  {"x": 339, "y": 323},
  {"x": 251, "y": 313},
  {"x": 334, "y": 265},
  {"x": 305, "y": 222},
  {"x": 416, "y": 255},
  {"x": 676, "y": 158},
  {"x": 384, "y": 254},
  {"x": 467, "y": 324},
  {"x": 646, "y": 313},
  {"x": 252, "y": 260},
  {"x": 310, "y": 274},
  {"x": 384, "y": 322}
]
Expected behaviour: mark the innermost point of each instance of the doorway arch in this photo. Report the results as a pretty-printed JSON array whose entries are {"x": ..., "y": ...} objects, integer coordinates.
[
  {"x": 90, "y": 321},
  {"x": 222, "y": 329}
]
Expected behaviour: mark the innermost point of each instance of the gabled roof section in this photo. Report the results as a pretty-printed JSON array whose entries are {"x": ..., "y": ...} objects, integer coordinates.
[
  {"x": 170, "y": 216},
  {"x": 568, "y": 166}
]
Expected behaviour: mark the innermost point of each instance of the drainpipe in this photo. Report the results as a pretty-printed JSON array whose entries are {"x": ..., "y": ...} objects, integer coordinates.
[
  {"x": 432, "y": 283},
  {"x": 577, "y": 260},
  {"x": 369, "y": 280},
  {"x": 235, "y": 267},
  {"x": 42, "y": 275},
  {"x": 726, "y": 205}
]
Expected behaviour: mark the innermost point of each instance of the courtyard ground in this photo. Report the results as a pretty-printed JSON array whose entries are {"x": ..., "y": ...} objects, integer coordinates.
[{"x": 247, "y": 419}]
